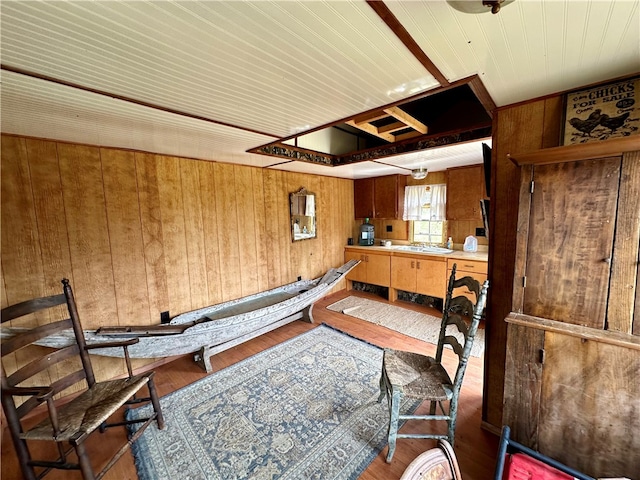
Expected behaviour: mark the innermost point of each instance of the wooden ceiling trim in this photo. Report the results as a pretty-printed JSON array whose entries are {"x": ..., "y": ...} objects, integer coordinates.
[
  {"x": 481, "y": 93},
  {"x": 421, "y": 142},
  {"x": 295, "y": 153},
  {"x": 398, "y": 29},
  {"x": 47, "y": 78}
]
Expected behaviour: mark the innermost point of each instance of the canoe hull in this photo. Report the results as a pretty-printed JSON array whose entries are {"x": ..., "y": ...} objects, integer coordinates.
[{"x": 221, "y": 324}]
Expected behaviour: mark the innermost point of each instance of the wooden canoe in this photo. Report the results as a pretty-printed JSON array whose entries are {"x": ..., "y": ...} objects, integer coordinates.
[{"x": 217, "y": 327}]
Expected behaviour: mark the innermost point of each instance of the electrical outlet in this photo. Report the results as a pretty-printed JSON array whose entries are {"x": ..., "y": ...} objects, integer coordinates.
[
  {"x": 164, "y": 317},
  {"x": 389, "y": 228},
  {"x": 480, "y": 232},
  {"x": 299, "y": 278}
]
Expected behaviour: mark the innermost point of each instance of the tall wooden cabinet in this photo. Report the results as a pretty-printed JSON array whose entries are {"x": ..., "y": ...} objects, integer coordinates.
[
  {"x": 379, "y": 197},
  {"x": 572, "y": 380}
]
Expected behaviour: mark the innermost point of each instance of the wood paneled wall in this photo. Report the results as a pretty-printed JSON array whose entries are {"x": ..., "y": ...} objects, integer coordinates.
[{"x": 138, "y": 234}]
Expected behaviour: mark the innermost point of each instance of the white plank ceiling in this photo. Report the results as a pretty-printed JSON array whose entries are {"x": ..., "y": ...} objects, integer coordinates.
[{"x": 211, "y": 79}]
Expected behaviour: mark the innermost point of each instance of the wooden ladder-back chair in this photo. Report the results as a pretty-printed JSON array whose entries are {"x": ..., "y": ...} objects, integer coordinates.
[
  {"x": 69, "y": 425},
  {"x": 413, "y": 375}
]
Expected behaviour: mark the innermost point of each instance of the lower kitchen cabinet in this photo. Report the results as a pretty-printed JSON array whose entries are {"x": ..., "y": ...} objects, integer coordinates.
[
  {"x": 421, "y": 274},
  {"x": 373, "y": 268},
  {"x": 467, "y": 268},
  {"x": 415, "y": 273}
]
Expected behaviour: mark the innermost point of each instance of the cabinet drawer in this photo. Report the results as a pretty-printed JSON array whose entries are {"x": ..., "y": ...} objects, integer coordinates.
[
  {"x": 480, "y": 277},
  {"x": 471, "y": 266}
]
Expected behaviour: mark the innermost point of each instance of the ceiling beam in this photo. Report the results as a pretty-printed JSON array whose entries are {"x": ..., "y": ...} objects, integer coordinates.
[
  {"x": 404, "y": 136},
  {"x": 370, "y": 116},
  {"x": 386, "y": 132},
  {"x": 396, "y": 27},
  {"x": 404, "y": 117},
  {"x": 372, "y": 129},
  {"x": 392, "y": 127}
]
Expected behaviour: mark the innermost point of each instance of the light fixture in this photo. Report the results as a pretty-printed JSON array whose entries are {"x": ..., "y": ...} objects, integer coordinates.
[
  {"x": 419, "y": 173},
  {"x": 478, "y": 6}
]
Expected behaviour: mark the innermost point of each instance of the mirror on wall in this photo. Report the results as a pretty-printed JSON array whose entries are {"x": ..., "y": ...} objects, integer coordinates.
[{"x": 303, "y": 215}]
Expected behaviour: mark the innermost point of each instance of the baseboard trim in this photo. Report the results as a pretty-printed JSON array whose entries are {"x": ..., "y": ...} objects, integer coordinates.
[{"x": 491, "y": 428}]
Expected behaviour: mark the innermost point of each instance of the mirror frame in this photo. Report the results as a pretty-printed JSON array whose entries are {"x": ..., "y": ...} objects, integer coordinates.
[{"x": 296, "y": 216}]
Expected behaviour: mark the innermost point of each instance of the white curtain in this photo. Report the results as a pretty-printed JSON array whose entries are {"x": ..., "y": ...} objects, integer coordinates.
[
  {"x": 414, "y": 198},
  {"x": 310, "y": 209},
  {"x": 439, "y": 202}
]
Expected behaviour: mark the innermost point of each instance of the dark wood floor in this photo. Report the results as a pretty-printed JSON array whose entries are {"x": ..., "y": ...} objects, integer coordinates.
[{"x": 475, "y": 448}]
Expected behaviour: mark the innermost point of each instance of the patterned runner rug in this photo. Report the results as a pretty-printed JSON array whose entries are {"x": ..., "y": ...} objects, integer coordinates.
[
  {"x": 306, "y": 408},
  {"x": 408, "y": 322}
]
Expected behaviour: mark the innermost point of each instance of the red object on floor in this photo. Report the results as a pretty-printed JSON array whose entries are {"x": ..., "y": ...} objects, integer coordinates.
[{"x": 522, "y": 467}]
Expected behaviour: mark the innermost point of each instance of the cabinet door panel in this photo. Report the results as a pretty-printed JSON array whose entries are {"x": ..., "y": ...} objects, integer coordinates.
[
  {"x": 571, "y": 227},
  {"x": 464, "y": 191},
  {"x": 385, "y": 194},
  {"x": 403, "y": 273},
  {"x": 378, "y": 269},
  {"x": 363, "y": 197},
  {"x": 431, "y": 277},
  {"x": 359, "y": 273},
  {"x": 589, "y": 406}
]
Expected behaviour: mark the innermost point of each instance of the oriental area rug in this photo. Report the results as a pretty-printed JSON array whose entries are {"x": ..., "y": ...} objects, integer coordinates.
[
  {"x": 408, "y": 322},
  {"x": 306, "y": 408}
]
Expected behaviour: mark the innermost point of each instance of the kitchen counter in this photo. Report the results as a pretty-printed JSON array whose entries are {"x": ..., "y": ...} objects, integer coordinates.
[
  {"x": 393, "y": 250},
  {"x": 425, "y": 273}
]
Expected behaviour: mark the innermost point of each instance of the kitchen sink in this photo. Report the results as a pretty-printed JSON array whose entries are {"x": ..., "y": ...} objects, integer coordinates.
[{"x": 425, "y": 249}]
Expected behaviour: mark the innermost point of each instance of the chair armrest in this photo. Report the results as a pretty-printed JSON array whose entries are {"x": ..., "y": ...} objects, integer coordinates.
[
  {"x": 43, "y": 393},
  {"x": 124, "y": 343}
]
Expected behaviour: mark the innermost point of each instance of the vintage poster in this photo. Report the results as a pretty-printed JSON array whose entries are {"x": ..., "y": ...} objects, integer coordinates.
[{"x": 603, "y": 112}]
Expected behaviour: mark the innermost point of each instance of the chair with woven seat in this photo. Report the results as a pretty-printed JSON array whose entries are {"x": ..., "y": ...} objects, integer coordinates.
[
  {"x": 69, "y": 425},
  {"x": 418, "y": 376}
]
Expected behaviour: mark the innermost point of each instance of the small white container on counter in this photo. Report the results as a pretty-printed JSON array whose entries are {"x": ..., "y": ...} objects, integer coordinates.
[{"x": 470, "y": 244}]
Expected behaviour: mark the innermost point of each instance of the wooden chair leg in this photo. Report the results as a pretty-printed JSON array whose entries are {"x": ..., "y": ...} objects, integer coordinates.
[
  {"x": 24, "y": 458},
  {"x": 153, "y": 394},
  {"x": 451, "y": 423},
  {"x": 383, "y": 387},
  {"x": 83, "y": 460},
  {"x": 394, "y": 414}
]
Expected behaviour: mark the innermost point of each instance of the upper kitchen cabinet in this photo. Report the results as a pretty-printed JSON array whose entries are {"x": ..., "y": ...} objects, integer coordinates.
[
  {"x": 363, "y": 197},
  {"x": 465, "y": 189},
  {"x": 380, "y": 197}
]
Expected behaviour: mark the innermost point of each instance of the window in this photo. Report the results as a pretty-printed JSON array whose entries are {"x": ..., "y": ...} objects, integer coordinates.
[
  {"x": 429, "y": 225},
  {"x": 429, "y": 231}
]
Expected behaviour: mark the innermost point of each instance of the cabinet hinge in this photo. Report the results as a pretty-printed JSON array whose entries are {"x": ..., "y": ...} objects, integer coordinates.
[
  {"x": 541, "y": 355},
  {"x": 533, "y": 184},
  {"x": 524, "y": 282}
]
